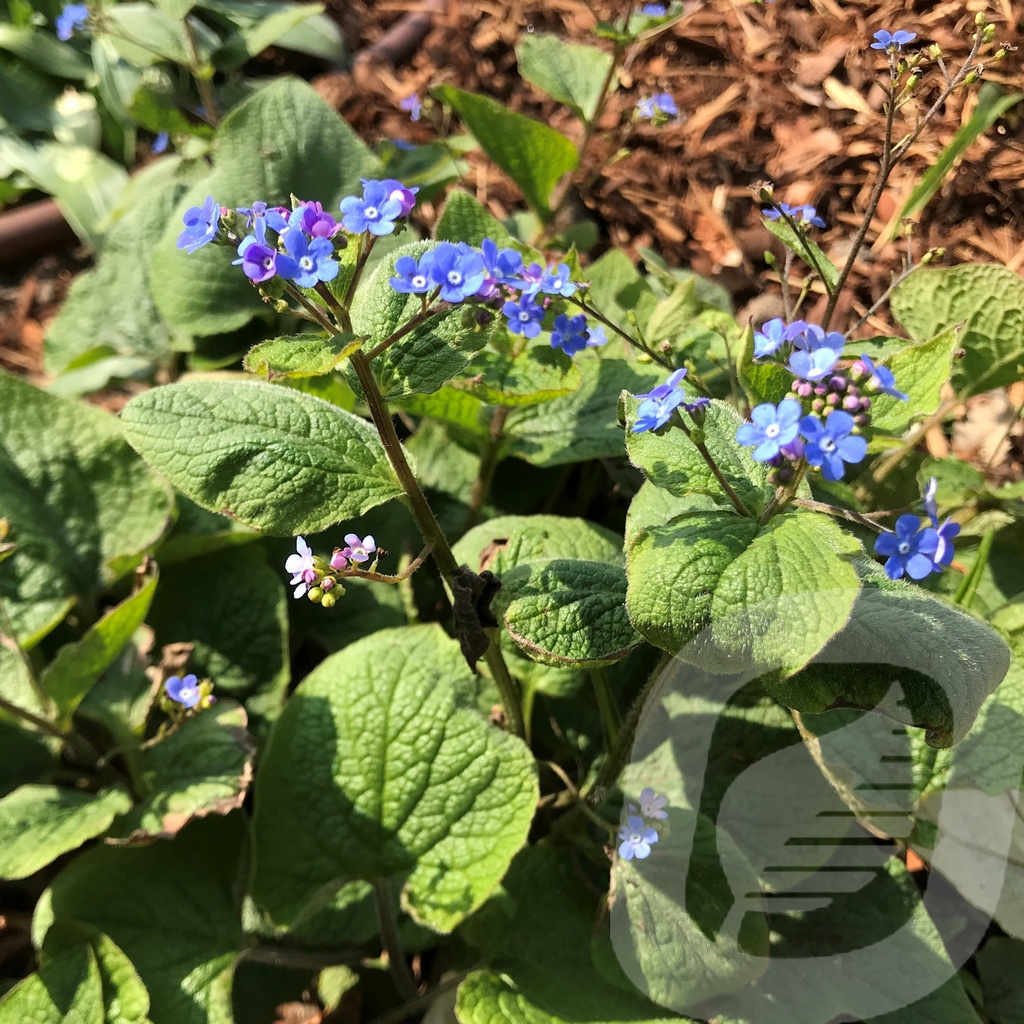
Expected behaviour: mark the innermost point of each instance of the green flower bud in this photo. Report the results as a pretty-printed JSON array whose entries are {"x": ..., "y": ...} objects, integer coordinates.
[
  {"x": 980, "y": 20},
  {"x": 328, "y": 600},
  {"x": 989, "y": 34},
  {"x": 935, "y": 51},
  {"x": 697, "y": 435},
  {"x": 315, "y": 594}
]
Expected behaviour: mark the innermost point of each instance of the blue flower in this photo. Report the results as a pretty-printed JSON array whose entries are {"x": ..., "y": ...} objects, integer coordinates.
[
  {"x": 657, "y": 405},
  {"x": 556, "y": 281},
  {"x": 660, "y": 104},
  {"x": 200, "y": 225},
  {"x": 637, "y": 839},
  {"x": 524, "y": 316},
  {"x": 652, "y": 805},
  {"x": 72, "y": 18},
  {"x": 596, "y": 336},
  {"x": 412, "y": 277},
  {"x": 806, "y": 215},
  {"x": 911, "y": 549},
  {"x": 771, "y": 428},
  {"x": 258, "y": 260},
  {"x": 412, "y": 105},
  {"x": 774, "y": 334},
  {"x": 501, "y": 264},
  {"x": 947, "y": 532},
  {"x": 569, "y": 333},
  {"x": 882, "y": 378},
  {"x": 183, "y": 691},
  {"x": 653, "y": 10},
  {"x": 813, "y": 337},
  {"x": 928, "y": 500},
  {"x": 405, "y": 196},
  {"x": 160, "y": 143},
  {"x": 832, "y": 443},
  {"x": 892, "y": 41},
  {"x": 813, "y": 365},
  {"x": 458, "y": 270},
  {"x": 307, "y": 261},
  {"x": 375, "y": 212}
]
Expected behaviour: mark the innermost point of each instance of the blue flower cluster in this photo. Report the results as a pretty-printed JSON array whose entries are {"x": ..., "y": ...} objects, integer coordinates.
[
  {"x": 915, "y": 548},
  {"x": 827, "y": 434},
  {"x": 306, "y": 238},
  {"x": 72, "y": 19},
  {"x": 805, "y": 216},
  {"x": 637, "y": 836},
  {"x": 658, "y": 405},
  {"x": 892, "y": 42},
  {"x": 455, "y": 272}
]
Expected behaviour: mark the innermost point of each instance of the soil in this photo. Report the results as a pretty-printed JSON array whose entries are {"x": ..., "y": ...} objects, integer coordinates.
[{"x": 784, "y": 92}]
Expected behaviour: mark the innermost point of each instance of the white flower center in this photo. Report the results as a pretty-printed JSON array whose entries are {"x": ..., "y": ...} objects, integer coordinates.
[
  {"x": 826, "y": 444},
  {"x": 635, "y": 837},
  {"x": 371, "y": 213},
  {"x": 771, "y": 431},
  {"x": 524, "y": 317},
  {"x": 306, "y": 263},
  {"x": 454, "y": 277},
  {"x": 419, "y": 281},
  {"x": 268, "y": 262},
  {"x": 904, "y": 548}
]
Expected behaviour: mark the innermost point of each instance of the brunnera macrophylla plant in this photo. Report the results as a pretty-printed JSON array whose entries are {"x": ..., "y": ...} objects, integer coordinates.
[{"x": 383, "y": 654}]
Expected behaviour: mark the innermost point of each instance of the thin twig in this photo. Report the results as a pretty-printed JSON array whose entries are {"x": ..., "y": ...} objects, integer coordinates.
[{"x": 401, "y": 974}]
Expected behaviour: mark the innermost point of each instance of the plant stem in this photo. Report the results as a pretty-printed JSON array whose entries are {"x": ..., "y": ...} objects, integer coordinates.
[
  {"x": 610, "y": 771},
  {"x": 81, "y": 746},
  {"x": 410, "y": 325},
  {"x": 206, "y": 93},
  {"x": 417, "y": 1003},
  {"x": 628, "y": 338},
  {"x": 884, "y": 169},
  {"x": 405, "y": 983},
  {"x": 845, "y": 513},
  {"x": 303, "y": 959},
  {"x": 737, "y": 501},
  {"x": 428, "y": 524},
  {"x": 605, "y": 706},
  {"x": 360, "y": 264},
  {"x": 488, "y": 464}
]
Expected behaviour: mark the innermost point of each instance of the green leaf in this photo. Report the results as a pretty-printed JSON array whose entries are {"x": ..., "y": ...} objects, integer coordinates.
[
  {"x": 181, "y": 951},
  {"x": 568, "y": 612},
  {"x": 124, "y": 996},
  {"x": 537, "y": 375},
  {"x": 205, "y": 767},
  {"x": 408, "y": 782},
  {"x": 672, "y": 314},
  {"x": 39, "y": 823},
  {"x": 430, "y": 354},
  {"x": 1000, "y": 966},
  {"x": 300, "y": 355},
  {"x": 80, "y": 502},
  {"x": 945, "y": 662},
  {"x": 143, "y": 35},
  {"x": 322, "y": 160},
  {"x": 252, "y": 39},
  {"x": 534, "y": 155},
  {"x": 989, "y": 299},
  {"x": 232, "y": 608},
  {"x": 534, "y": 940},
  {"x": 273, "y": 458},
  {"x": 992, "y": 105},
  {"x": 568, "y": 72},
  {"x": 767, "y": 597},
  {"x": 79, "y": 665},
  {"x": 582, "y": 425},
  {"x": 465, "y": 219},
  {"x": 807, "y": 250},
  {"x": 65, "y": 990},
  {"x": 40, "y": 49},
  {"x": 672, "y": 461},
  {"x": 504, "y": 542},
  {"x": 26, "y": 755},
  {"x": 920, "y": 372}
]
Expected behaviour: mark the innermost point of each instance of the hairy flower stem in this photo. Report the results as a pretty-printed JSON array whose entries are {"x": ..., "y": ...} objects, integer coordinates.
[
  {"x": 610, "y": 771},
  {"x": 662, "y": 360},
  {"x": 488, "y": 464},
  {"x": 890, "y": 156},
  {"x": 730, "y": 493},
  {"x": 429, "y": 526},
  {"x": 201, "y": 75},
  {"x": 405, "y": 983},
  {"x": 605, "y": 706},
  {"x": 783, "y": 495},
  {"x": 845, "y": 513}
]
